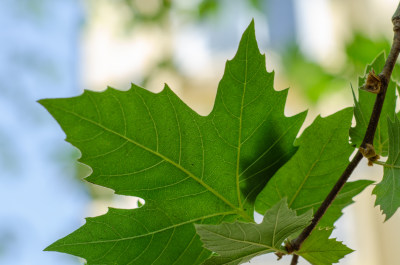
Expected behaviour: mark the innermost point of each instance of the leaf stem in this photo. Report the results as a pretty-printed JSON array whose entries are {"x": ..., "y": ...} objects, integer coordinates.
[
  {"x": 368, "y": 138},
  {"x": 385, "y": 165}
]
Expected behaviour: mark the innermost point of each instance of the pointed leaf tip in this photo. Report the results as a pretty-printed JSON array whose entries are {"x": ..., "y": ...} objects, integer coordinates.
[
  {"x": 251, "y": 23},
  {"x": 248, "y": 46}
]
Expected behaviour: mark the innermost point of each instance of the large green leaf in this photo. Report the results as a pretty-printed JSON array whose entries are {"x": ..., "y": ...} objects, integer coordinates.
[
  {"x": 239, "y": 242},
  {"x": 188, "y": 168},
  {"x": 308, "y": 177},
  {"x": 388, "y": 190},
  {"x": 318, "y": 249},
  {"x": 363, "y": 110}
]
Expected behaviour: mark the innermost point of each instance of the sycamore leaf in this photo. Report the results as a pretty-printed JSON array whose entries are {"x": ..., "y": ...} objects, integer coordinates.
[
  {"x": 238, "y": 242},
  {"x": 308, "y": 177},
  {"x": 318, "y": 249},
  {"x": 188, "y": 168},
  {"x": 388, "y": 190},
  {"x": 363, "y": 110}
]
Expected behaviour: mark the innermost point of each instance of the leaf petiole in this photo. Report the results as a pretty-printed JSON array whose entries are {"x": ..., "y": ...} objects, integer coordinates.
[{"x": 385, "y": 165}]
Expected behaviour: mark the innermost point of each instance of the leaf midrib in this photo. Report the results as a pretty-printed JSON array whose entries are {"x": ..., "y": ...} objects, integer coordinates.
[
  {"x": 237, "y": 210},
  {"x": 306, "y": 177},
  {"x": 252, "y": 243},
  {"x": 240, "y": 128},
  {"x": 150, "y": 233}
]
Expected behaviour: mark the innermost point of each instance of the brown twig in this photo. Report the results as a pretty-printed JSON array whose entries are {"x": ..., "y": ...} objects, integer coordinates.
[
  {"x": 368, "y": 138},
  {"x": 295, "y": 259}
]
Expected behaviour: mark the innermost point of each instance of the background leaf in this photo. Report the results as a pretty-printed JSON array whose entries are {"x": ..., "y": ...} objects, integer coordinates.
[
  {"x": 318, "y": 249},
  {"x": 311, "y": 79},
  {"x": 188, "y": 168},
  {"x": 364, "y": 106},
  {"x": 388, "y": 190},
  {"x": 239, "y": 242}
]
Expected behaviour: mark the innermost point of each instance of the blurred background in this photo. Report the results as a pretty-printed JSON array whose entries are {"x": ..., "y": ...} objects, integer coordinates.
[{"x": 57, "y": 48}]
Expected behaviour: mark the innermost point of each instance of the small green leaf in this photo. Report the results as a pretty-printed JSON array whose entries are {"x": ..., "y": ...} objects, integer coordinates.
[
  {"x": 363, "y": 110},
  {"x": 318, "y": 249},
  {"x": 388, "y": 190},
  {"x": 188, "y": 168},
  {"x": 238, "y": 242},
  {"x": 308, "y": 177}
]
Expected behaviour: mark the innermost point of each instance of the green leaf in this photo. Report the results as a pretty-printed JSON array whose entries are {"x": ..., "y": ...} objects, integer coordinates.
[
  {"x": 188, "y": 168},
  {"x": 362, "y": 49},
  {"x": 388, "y": 190},
  {"x": 318, "y": 249},
  {"x": 363, "y": 110},
  {"x": 342, "y": 200},
  {"x": 238, "y": 242},
  {"x": 308, "y": 177}
]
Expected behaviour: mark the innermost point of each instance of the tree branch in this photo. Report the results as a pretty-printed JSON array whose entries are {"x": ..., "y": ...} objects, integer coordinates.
[
  {"x": 295, "y": 259},
  {"x": 368, "y": 138}
]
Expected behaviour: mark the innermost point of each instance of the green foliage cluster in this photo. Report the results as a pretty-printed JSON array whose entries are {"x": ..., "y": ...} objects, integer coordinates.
[{"x": 202, "y": 177}]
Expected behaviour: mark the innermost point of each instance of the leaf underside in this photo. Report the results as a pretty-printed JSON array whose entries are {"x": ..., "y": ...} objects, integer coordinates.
[
  {"x": 388, "y": 190},
  {"x": 238, "y": 242},
  {"x": 189, "y": 169}
]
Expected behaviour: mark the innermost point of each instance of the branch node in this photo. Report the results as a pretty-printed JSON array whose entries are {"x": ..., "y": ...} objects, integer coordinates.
[
  {"x": 279, "y": 255},
  {"x": 373, "y": 83},
  {"x": 369, "y": 153},
  {"x": 289, "y": 247}
]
